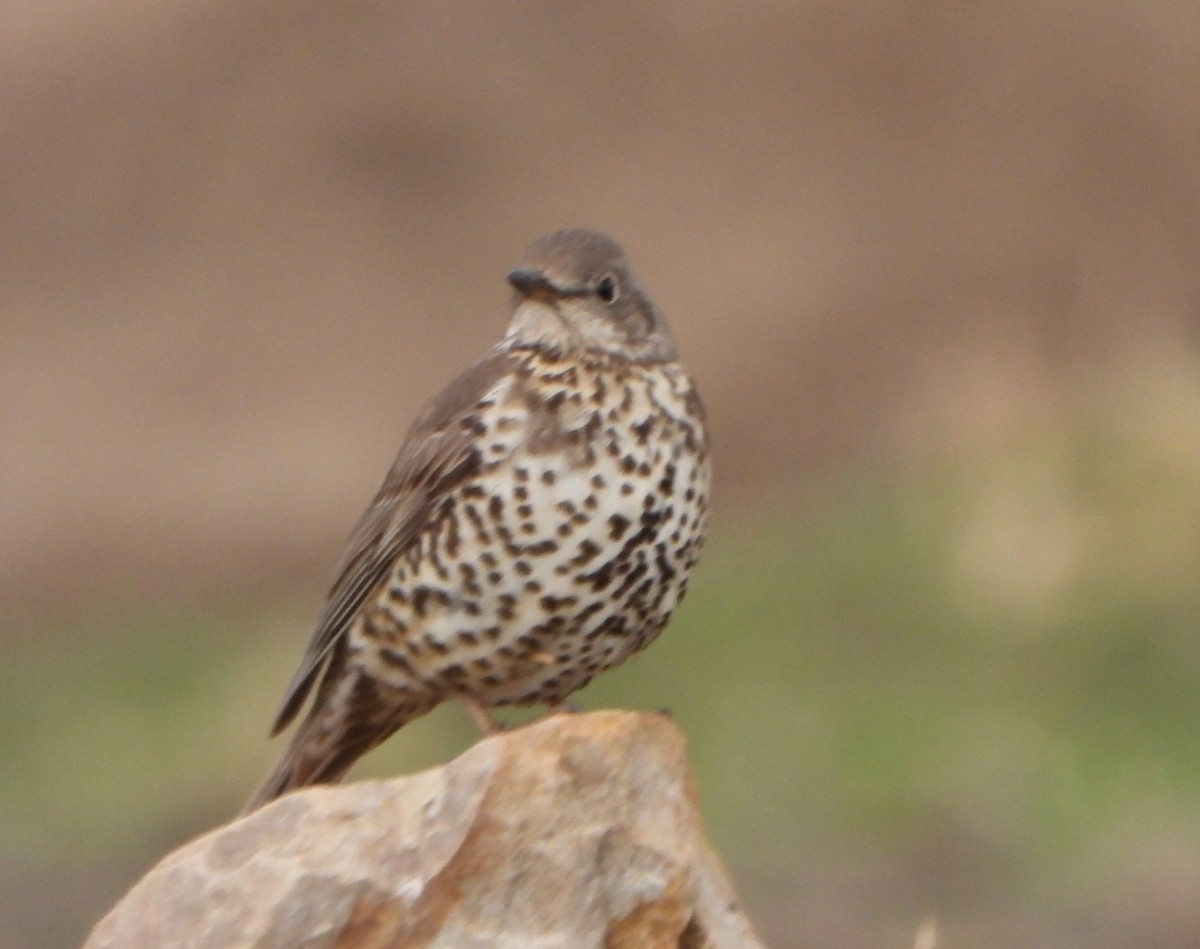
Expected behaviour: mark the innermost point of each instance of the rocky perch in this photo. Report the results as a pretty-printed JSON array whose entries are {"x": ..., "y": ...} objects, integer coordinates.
[{"x": 575, "y": 831}]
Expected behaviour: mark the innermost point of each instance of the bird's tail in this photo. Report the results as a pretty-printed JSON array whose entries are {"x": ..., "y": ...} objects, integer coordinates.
[
  {"x": 327, "y": 744},
  {"x": 307, "y": 761}
]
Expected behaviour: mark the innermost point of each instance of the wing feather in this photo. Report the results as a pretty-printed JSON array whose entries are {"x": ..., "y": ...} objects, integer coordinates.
[{"x": 437, "y": 454}]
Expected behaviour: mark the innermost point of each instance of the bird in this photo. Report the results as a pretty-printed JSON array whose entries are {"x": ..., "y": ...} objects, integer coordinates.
[{"x": 537, "y": 527}]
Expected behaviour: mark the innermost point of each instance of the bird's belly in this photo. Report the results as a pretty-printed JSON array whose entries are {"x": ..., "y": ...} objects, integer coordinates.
[{"x": 556, "y": 572}]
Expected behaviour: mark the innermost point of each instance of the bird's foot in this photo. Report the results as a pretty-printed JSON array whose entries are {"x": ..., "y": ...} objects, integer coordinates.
[{"x": 483, "y": 719}]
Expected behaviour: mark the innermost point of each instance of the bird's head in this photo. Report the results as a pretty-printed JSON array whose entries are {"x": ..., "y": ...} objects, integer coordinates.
[{"x": 575, "y": 292}]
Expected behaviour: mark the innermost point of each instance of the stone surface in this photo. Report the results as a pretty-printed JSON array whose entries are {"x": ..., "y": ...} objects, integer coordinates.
[{"x": 578, "y": 830}]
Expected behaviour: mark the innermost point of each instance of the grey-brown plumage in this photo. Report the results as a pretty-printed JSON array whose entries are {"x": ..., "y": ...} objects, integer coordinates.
[{"x": 537, "y": 527}]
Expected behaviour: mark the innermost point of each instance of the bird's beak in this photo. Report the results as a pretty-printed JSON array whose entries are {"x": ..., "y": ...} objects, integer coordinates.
[{"x": 532, "y": 283}]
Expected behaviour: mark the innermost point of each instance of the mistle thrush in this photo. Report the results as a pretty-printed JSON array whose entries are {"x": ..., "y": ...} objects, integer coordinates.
[{"x": 537, "y": 527}]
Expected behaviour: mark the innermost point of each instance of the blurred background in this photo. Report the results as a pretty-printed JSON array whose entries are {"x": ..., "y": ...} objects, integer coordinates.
[{"x": 934, "y": 265}]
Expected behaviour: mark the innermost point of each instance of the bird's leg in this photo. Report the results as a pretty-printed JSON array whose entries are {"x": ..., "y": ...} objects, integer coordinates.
[
  {"x": 562, "y": 707},
  {"x": 481, "y": 716}
]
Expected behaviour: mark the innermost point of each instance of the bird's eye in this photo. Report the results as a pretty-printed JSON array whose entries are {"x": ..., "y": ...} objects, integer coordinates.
[{"x": 606, "y": 288}]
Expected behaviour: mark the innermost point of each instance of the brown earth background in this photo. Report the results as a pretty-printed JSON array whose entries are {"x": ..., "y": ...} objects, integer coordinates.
[{"x": 934, "y": 265}]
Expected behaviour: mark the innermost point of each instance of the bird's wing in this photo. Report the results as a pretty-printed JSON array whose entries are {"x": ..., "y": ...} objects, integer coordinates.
[{"x": 437, "y": 454}]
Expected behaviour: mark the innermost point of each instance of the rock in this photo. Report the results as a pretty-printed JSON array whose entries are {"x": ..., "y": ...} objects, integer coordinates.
[{"x": 575, "y": 831}]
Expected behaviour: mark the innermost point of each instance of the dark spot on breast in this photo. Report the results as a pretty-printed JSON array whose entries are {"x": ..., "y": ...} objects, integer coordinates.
[
  {"x": 612, "y": 625},
  {"x": 631, "y": 578},
  {"x": 470, "y": 584},
  {"x": 639, "y": 595},
  {"x": 651, "y": 518},
  {"x": 599, "y": 578},
  {"x": 551, "y": 626},
  {"x": 589, "y": 611},
  {"x": 528, "y": 644},
  {"x": 592, "y": 428},
  {"x": 477, "y": 522},
  {"x": 587, "y": 551},
  {"x": 395, "y": 660},
  {"x": 667, "y": 484},
  {"x": 548, "y": 477},
  {"x": 452, "y": 536},
  {"x": 397, "y": 596},
  {"x": 643, "y": 429},
  {"x": 617, "y": 525}
]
